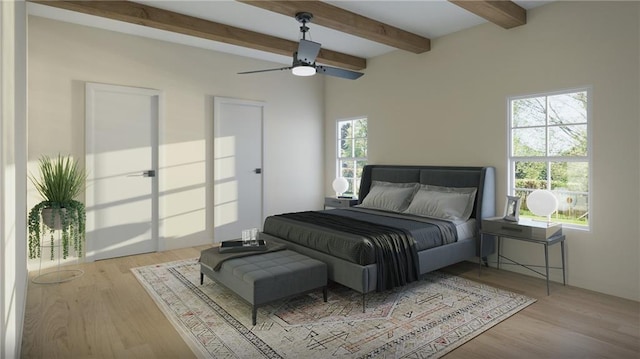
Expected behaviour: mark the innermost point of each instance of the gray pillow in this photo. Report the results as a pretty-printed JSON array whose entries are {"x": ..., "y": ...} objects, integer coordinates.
[
  {"x": 450, "y": 203},
  {"x": 388, "y": 196}
]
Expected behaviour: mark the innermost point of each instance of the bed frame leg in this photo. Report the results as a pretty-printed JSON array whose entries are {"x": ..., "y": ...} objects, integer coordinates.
[
  {"x": 364, "y": 306},
  {"x": 254, "y": 314},
  {"x": 201, "y": 278}
]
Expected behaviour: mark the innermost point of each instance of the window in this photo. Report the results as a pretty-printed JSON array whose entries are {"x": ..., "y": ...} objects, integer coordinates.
[
  {"x": 352, "y": 152},
  {"x": 550, "y": 149}
]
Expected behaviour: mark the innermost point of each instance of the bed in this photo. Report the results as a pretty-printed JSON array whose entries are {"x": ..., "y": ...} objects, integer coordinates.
[{"x": 410, "y": 220}]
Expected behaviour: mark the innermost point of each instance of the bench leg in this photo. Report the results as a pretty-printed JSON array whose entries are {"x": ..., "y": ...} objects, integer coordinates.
[
  {"x": 324, "y": 293},
  {"x": 201, "y": 278},
  {"x": 254, "y": 314}
]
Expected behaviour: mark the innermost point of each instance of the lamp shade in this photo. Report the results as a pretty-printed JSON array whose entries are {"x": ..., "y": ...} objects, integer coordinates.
[
  {"x": 542, "y": 202},
  {"x": 340, "y": 185},
  {"x": 303, "y": 70}
]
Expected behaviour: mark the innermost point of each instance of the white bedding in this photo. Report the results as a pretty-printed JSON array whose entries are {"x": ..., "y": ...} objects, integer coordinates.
[{"x": 466, "y": 229}]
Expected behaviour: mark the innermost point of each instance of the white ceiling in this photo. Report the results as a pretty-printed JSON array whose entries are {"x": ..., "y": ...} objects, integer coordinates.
[{"x": 428, "y": 18}]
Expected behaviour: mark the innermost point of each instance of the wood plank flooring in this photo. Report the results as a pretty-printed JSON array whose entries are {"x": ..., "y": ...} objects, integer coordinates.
[{"x": 107, "y": 314}]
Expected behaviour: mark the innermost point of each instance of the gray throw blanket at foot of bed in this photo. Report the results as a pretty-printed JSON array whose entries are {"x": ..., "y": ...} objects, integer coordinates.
[{"x": 395, "y": 249}]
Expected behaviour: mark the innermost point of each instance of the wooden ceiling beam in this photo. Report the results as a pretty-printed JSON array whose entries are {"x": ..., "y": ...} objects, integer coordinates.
[
  {"x": 342, "y": 20},
  {"x": 503, "y": 13},
  {"x": 139, "y": 14}
]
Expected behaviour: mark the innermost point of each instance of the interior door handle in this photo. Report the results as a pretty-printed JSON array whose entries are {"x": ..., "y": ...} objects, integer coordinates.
[
  {"x": 258, "y": 170},
  {"x": 147, "y": 173}
]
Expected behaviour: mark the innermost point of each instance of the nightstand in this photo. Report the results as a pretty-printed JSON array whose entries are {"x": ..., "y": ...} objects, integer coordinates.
[
  {"x": 526, "y": 230},
  {"x": 337, "y": 202}
]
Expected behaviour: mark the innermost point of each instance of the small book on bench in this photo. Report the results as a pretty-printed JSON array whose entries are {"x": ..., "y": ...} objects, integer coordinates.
[{"x": 239, "y": 246}]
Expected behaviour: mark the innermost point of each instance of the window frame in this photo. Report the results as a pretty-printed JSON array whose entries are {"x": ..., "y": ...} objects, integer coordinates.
[
  {"x": 549, "y": 159},
  {"x": 355, "y": 181}
]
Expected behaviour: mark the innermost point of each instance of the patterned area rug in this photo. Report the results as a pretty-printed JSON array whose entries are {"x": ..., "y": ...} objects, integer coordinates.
[{"x": 426, "y": 319}]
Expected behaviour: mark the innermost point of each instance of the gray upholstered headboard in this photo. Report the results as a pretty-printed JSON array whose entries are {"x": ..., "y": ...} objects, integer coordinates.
[{"x": 448, "y": 176}]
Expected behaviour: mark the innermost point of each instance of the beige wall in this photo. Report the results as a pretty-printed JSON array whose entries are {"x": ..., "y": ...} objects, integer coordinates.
[
  {"x": 448, "y": 106},
  {"x": 63, "y": 57}
]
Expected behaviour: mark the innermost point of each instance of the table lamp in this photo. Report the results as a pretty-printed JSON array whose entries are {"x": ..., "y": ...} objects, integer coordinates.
[
  {"x": 543, "y": 203},
  {"x": 340, "y": 185}
]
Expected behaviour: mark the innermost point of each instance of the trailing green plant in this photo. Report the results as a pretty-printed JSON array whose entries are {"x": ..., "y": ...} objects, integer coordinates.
[{"x": 60, "y": 181}]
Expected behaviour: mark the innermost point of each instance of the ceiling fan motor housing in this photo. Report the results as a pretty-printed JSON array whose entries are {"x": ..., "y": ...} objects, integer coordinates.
[{"x": 304, "y": 60}]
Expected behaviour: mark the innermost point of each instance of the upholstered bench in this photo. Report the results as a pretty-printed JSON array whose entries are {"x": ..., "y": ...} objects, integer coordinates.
[{"x": 261, "y": 278}]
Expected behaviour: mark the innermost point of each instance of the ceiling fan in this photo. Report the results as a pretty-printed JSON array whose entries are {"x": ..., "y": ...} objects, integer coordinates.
[{"x": 304, "y": 60}]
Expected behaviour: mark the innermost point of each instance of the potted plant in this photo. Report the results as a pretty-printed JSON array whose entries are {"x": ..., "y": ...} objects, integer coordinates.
[{"x": 60, "y": 182}]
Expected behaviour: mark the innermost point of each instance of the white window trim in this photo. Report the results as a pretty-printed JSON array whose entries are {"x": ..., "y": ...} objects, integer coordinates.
[
  {"x": 337, "y": 146},
  {"x": 588, "y": 158}
]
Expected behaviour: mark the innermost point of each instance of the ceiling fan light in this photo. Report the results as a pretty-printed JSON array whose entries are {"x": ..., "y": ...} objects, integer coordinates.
[{"x": 303, "y": 70}]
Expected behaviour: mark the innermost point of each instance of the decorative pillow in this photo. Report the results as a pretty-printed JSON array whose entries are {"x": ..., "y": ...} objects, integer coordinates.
[
  {"x": 388, "y": 196},
  {"x": 450, "y": 203}
]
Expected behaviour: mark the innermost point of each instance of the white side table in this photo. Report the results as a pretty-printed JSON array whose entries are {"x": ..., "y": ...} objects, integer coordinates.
[{"x": 526, "y": 230}]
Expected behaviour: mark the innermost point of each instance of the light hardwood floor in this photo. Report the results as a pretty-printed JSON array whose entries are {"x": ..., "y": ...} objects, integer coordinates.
[{"x": 107, "y": 314}]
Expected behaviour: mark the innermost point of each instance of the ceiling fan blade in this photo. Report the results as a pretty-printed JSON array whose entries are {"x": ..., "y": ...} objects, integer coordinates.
[
  {"x": 308, "y": 51},
  {"x": 334, "y": 71},
  {"x": 267, "y": 70}
]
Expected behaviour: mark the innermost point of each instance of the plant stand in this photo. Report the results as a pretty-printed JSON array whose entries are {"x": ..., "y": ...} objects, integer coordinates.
[{"x": 58, "y": 275}]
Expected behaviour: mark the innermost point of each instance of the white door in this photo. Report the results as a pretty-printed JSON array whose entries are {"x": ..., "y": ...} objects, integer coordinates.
[
  {"x": 122, "y": 188},
  {"x": 237, "y": 169}
]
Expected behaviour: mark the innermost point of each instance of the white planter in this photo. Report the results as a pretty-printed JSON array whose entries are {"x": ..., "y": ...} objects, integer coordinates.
[{"x": 54, "y": 222}]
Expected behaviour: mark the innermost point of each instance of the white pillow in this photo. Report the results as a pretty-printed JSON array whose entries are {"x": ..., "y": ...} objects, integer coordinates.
[
  {"x": 451, "y": 203},
  {"x": 388, "y": 196}
]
